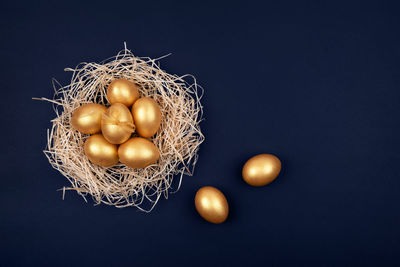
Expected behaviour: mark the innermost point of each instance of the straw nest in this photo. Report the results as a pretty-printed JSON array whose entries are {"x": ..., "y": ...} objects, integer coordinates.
[{"x": 178, "y": 138}]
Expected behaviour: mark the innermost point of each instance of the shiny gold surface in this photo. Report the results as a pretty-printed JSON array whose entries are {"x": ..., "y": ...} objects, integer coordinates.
[
  {"x": 122, "y": 91},
  {"x": 261, "y": 169},
  {"x": 211, "y": 204},
  {"x": 117, "y": 124},
  {"x": 147, "y": 116},
  {"x": 87, "y": 118},
  {"x": 101, "y": 152},
  {"x": 138, "y": 153}
]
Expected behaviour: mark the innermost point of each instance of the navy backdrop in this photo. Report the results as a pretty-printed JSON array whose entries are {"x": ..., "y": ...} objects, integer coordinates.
[{"x": 316, "y": 84}]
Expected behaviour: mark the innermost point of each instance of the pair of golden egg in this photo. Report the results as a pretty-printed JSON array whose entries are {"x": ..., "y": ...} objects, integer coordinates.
[
  {"x": 259, "y": 170},
  {"x": 117, "y": 123}
]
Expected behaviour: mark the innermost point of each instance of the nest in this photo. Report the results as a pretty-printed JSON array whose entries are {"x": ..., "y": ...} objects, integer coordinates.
[{"x": 178, "y": 138}]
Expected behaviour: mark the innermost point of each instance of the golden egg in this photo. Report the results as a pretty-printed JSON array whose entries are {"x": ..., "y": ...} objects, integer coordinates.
[
  {"x": 147, "y": 116},
  {"x": 101, "y": 152},
  {"x": 138, "y": 153},
  {"x": 122, "y": 91},
  {"x": 261, "y": 169},
  {"x": 211, "y": 204},
  {"x": 117, "y": 124},
  {"x": 87, "y": 118}
]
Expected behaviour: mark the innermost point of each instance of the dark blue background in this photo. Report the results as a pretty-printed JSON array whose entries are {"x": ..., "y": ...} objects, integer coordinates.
[{"x": 316, "y": 84}]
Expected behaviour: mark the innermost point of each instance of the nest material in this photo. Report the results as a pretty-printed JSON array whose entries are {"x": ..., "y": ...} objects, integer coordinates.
[{"x": 178, "y": 138}]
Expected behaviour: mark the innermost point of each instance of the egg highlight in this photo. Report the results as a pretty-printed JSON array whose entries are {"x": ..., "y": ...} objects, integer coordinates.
[
  {"x": 122, "y": 91},
  {"x": 211, "y": 204},
  {"x": 100, "y": 152},
  {"x": 147, "y": 116},
  {"x": 117, "y": 124},
  {"x": 138, "y": 153},
  {"x": 261, "y": 169},
  {"x": 87, "y": 118}
]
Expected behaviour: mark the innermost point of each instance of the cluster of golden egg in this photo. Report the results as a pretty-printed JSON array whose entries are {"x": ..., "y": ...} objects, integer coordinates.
[
  {"x": 129, "y": 113},
  {"x": 112, "y": 128}
]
